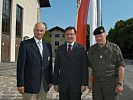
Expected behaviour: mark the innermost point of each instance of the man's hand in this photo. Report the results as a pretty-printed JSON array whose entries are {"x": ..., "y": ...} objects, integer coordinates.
[
  {"x": 56, "y": 88},
  {"x": 83, "y": 88},
  {"x": 90, "y": 86},
  {"x": 119, "y": 89},
  {"x": 21, "y": 89}
]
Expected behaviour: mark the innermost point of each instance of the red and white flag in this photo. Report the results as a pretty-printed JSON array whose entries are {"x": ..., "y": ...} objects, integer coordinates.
[{"x": 82, "y": 17}]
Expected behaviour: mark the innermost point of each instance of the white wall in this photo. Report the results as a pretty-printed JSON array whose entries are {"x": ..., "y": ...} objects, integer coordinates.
[{"x": 30, "y": 17}]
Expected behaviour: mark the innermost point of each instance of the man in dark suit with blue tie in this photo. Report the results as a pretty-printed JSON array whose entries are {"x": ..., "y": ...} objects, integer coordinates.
[
  {"x": 71, "y": 68},
  {"x": 34, "y": 66}
]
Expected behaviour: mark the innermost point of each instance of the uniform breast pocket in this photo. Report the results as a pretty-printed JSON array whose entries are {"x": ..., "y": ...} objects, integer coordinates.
[
  {"x": 110, "y": 70},
  {"x": 94, "y": 58},
  {"x": 113, "y": 58}
]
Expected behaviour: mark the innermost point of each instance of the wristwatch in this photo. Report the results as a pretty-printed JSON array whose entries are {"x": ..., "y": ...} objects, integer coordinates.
[{"x": 121, "y": 84}]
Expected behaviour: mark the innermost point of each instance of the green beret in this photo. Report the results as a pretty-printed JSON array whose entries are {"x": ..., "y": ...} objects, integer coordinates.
[{"x": 99, "y": 30}]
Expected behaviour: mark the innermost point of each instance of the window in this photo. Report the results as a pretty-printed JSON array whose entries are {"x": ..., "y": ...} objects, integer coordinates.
[
  {"x": 18, "y": 21},
  {"x": 63, "y": 35},
  {"x": 6, "y": 13},
  {"x": 56, "y": 43},
  {"x": 56, "y": 35}
]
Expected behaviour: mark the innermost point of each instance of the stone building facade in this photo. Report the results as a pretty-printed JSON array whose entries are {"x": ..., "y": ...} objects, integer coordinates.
[{"x": 57, "y": 38}]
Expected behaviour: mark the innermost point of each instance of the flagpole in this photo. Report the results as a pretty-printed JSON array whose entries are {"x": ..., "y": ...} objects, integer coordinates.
[
  {"x": 99, "y": 13},
  {"x": 93, "y": 20}
]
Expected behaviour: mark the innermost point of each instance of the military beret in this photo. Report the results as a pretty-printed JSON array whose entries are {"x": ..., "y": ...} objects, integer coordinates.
[{"x": 99, "y": 30}]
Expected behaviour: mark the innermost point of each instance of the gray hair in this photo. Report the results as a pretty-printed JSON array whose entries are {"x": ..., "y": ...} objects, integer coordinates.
[{"x": 44, "y": 24}]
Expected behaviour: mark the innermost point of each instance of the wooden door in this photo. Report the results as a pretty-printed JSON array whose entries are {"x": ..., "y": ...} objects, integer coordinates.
[{"x": 5, "y": 48}]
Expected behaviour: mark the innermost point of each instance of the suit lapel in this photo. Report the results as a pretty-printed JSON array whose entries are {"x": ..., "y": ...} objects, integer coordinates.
[
  {"x": 45, "y": 51},
  {"x": 35, "y": 47},
  {"x": 65, "y": 50},
  {"x": 74, "y": 49}
]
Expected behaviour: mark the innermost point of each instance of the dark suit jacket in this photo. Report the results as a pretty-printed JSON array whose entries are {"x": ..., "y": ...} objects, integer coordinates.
[
  {"x": 29, "y": 66},
  {"x": 71, "y": 71}
]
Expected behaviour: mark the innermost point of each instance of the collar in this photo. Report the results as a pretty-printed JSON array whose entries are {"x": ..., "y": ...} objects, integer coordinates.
[
  {"x": 37, "y": 40},
  {"x": 70, "y": 44},
  {"x": 107, "y": 44}
]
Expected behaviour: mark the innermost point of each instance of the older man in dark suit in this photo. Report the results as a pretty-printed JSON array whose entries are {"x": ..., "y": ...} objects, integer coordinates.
[
  {"x": 71, "y": 68},
  {"x": 34, "y": 66}
]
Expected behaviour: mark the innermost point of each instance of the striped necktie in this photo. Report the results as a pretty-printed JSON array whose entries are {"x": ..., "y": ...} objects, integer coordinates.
[{"x": 40, "y": 48}]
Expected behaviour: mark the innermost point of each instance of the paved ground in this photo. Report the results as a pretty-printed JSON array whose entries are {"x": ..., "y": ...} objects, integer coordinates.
[
  {"x": 128, "y": 82},
  {"x": 8, "y": 90}
]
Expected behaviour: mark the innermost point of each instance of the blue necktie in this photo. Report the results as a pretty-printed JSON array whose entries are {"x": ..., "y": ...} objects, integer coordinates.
[{"x": 40, "y": 48}]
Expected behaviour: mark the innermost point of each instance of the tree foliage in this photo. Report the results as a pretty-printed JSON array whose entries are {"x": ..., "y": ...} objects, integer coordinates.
[
  {"x": 47, "y": 36},
  {"x": 122, "y": 34}
]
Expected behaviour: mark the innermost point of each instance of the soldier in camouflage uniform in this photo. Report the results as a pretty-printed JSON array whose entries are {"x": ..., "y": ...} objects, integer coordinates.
[{"x": 106, "y": 65}]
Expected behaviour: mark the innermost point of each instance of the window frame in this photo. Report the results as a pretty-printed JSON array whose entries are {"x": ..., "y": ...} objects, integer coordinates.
[
  {"x": 19, "y": 20},
  {"x": 6, "y": 15}
]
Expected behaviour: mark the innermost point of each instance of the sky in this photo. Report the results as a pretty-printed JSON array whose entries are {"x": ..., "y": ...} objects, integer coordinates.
[{"x": 63, "y": 13}]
